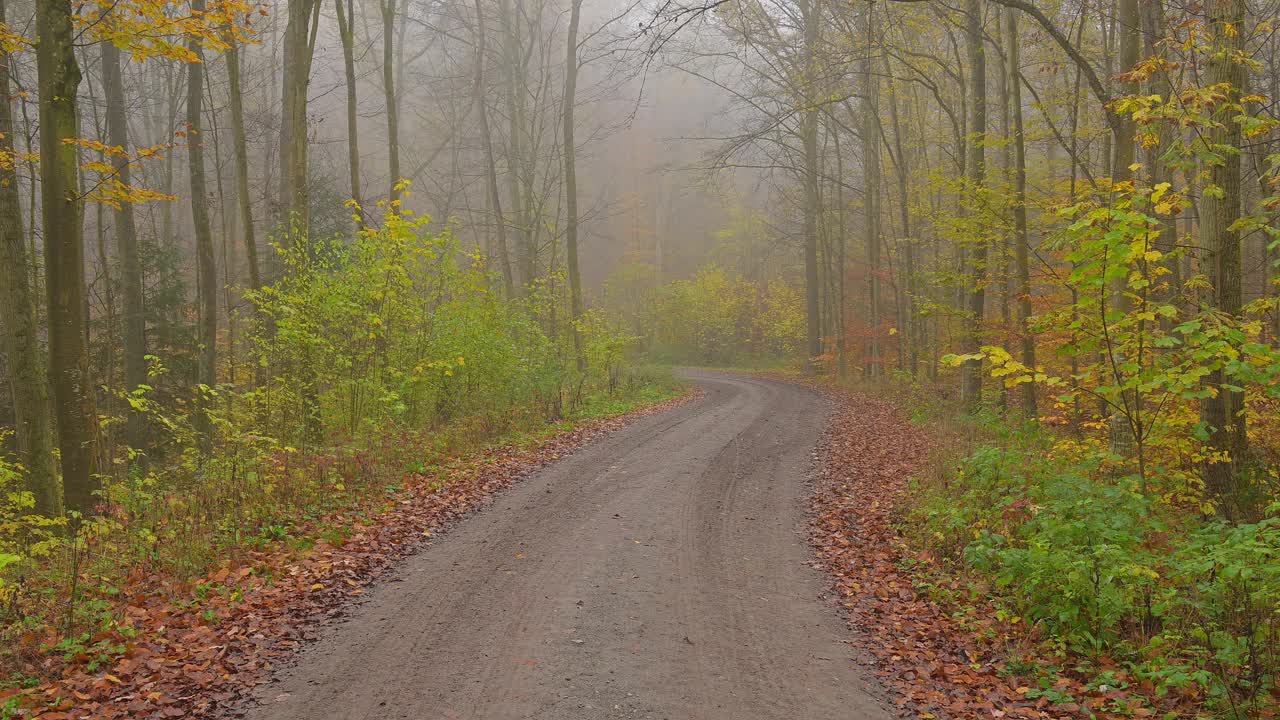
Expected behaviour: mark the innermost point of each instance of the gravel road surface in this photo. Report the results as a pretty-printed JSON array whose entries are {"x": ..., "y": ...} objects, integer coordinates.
[{"x": 659, "y": 573}]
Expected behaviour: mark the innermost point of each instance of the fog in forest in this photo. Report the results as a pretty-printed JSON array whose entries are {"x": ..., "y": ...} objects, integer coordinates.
[{"x": 280, "y": 276}]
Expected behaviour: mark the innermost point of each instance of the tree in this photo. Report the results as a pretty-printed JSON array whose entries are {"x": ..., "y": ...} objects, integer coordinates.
[
  {"x": 134, "y": 315},
  {"x": 812, "y": 22},
  {"x": 299, "y": 49},
  {"x": 61, "y": 210},
  {"x": 388, "y": 9},
  {"x": 347, "y": 33},
  {"x": 28, "y": 380},
  {"x": 971, "y": 376},
  {"x": 871, "y": 136},
  {"x": 241, "y": 151},
  {"x": 207, "y": 374},
  {"x": 1223, "y": 411},
  {"x": 517, "y": 174},
  {"x": 486, "y": 143},
  {"x": 571, "y": 179},
  {"x": 1021, "y": 239}
]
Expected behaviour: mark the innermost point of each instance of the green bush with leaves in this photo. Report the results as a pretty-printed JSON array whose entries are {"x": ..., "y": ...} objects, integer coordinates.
[
  {"x": 1077, "y": 564},
  {"x": 1104, "y": 570},
  {"x": 398, "y": 326},
  {"x": 372, "y": 357}
]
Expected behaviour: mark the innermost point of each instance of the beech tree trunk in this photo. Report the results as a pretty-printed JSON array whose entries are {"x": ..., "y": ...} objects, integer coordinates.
[
  {"x": 571, "y": 180},
  {"x": 526, "y": 257},
  {"x": 1152, "y": 32},
  {"x": 971, "y": 370},
  {"x": 388, "y": 8},
  {"x": 486, "y": 141},
  {"x": 346, "y": 31},
  {"x": 28, "y": 382},
  {"x": 207, "y": 372},
  {"x": 299, "y": 47},
  {"x": 871, "y": 200},
  {"x": 134, "y": 335},
  {"x": 242, "y": 168},
  {"x": 908, "y": 242},
  {"x": 809, "y": 138},
  {"x": 1219, "y": 210},
  {"x": 1021, "y": 239},
  {"x": 62, "y": 206},
  {"x": 1129, "y": 22}
]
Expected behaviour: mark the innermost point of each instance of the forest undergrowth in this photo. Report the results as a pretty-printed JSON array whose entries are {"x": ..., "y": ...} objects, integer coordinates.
[
  {"x": 1004, "y": 569},
  {"x": 195, "y": 645},
  {"x": 375, "y": 372}
]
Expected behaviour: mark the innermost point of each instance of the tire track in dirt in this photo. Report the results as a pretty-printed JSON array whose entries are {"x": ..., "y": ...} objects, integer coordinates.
[{"x": 659, "y": 573}]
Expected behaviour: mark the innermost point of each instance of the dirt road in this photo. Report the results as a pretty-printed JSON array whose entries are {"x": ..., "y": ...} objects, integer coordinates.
[{"x": 660, "y": 573}]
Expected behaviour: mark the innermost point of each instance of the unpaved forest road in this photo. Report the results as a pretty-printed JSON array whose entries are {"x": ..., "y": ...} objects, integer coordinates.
[{"x": 660, "y": 572}]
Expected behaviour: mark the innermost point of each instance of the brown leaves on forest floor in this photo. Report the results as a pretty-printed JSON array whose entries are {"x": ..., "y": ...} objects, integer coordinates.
[
  {"x": 196, "y": 659},
  {"x": 936, "y": 662}
]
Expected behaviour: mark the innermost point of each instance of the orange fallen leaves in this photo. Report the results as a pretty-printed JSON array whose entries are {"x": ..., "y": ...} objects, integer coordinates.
[
  {"x": 201, "y": 659},
  {"x": 934, "y": 665}
]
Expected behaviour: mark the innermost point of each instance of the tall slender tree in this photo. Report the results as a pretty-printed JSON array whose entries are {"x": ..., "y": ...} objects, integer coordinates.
[
  {"x": 388, "y": 9},
  {"x": 28, "y": 381},
  {"x": 1224, "y": 411},
  {"x": 126, "y": 232},
  {"x": 62, "y": 209},
  {"x": 299, "y": 49},
  {"x": 241, "y": 151},
  {"x": 1021, "y": 238},
  {"x": 486, "y": 143},
  {"x": 207, "y": 372},
  {"x": 871, "y": 136},
  {"x": 811, "y": 17},
  {"x": 570, "y": 151},
  {"x": 976, "y": 161}
]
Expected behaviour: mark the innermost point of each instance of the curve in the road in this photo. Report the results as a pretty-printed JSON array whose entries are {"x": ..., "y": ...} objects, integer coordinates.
[{"x": 659, "y": 573}]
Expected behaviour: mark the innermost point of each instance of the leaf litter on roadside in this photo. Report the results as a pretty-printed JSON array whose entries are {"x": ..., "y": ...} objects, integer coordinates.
[
  {"x": 186, "y": 659},
  {"x": 935, "y": 664}
]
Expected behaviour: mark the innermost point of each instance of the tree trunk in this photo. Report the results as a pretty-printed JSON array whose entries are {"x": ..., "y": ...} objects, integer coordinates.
[
  {"x": 1129, "y": 22},
  {"x": 28, "y": 381},
  {"x": 1224, "y": 413},
  {"x": 1021, "y": 239},
  {"x": 871, "y": 200},
  {"x": 571, "y": 180},
  {"x": 61, "y": 216},
  {"x": 242, "y": 167},
  {"x": 515, "y": 89},
  {"x": 1153, "y": 31},
  {"x": 909, "y": 245},
  {"x": 809, "y": 138},
  {"x": 491, "y": 168},
  {"x": 388, "y": 8},
  {"x": 134, "y": 335},
  {"x": 205, "y": 264},
  {"x": 347, "y": 31},
  {"x": 299, "y": 46},
  {"x": 971, "y": 370}
]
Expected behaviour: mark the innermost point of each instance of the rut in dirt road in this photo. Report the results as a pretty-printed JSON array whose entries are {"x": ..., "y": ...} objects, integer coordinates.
[{"x": 661, "y": 572}]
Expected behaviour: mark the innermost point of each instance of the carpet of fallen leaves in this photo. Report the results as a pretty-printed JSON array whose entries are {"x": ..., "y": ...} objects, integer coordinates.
[
  {"x": 198, "y": 659},
  {"x": 931, "y": 662}
]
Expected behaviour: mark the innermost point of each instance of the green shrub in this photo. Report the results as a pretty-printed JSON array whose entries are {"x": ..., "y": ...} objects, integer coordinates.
[
  {"x": 1103, "y": 570},
  {"x": 1078, "y": 564}
]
